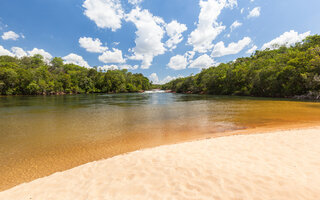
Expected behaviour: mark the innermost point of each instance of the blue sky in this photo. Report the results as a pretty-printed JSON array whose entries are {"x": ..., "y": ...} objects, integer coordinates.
[{"x": 162, "y": 39}]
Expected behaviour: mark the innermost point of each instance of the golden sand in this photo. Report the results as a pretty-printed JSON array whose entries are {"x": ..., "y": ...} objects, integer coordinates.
[{"x": 275, "y": 165}]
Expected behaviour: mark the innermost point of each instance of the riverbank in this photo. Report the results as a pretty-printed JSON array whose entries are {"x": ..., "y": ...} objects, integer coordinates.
[{"x": 274, "y": 165}]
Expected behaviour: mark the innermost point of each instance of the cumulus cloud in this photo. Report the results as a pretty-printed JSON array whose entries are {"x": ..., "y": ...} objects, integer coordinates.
[
  {"x": 286, "y": 39},
  {"x": 233, "y": 48},
  {"x": 114, "y": 56},
  {"x": 105, "y": 13},
  {"x": 92, "y": 45},
  {"x": 116, "y": 67},
  {"x": 135, "y": 2},
  {"x": 155, "y": 79},
  {"x": 174, "y": 31},
  {"x": 5, "y": 52},
  {"x": 168, "y": 79},
  {"x": 47, "y": 56},
  {"x": 149, "y": 35},
  {"x": 189, "y": 55},
  {"x": 252, "y": 50},
  {"x": 203, "y": 61},
  {"x": 126, "y": 66},
  {"x": 207, "y": 27},
  {"x": 19, "y": 52},
  {"x": 178, "y": 62},
  {"x": 108, "y": 67},
  {"x": 10, "y": 35},
  {"x": 75, "y": 59},
  {"x": 235, "y": 25},
  {"x": 254, "y": 12}
]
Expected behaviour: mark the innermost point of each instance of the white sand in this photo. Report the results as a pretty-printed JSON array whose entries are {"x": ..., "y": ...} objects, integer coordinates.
[{"x": 281, "y": 165}]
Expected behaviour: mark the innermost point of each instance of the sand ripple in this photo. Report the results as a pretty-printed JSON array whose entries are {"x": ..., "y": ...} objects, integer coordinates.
[{"x": 281, "y": 165}]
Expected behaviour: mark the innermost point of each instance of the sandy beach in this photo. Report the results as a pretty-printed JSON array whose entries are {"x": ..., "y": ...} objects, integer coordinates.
[{"x": 276, "y": 165}]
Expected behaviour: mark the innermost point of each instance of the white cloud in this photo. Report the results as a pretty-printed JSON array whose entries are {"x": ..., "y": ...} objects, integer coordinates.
[
  {"x": 287, "y": 39},
  {"x": 126, "y": 66},
  {"x": 114, "y": 56},
  {"x": 155, "y": 79},
  {"x": 252, "y": 50},
  {"x": 108, "y": 67},
  {"x": 178, "y": 62},
  {"x": 135, "y": 2},
  {"x": 254, "y": 12},
  {"x": 242, "y": 10},
  {"x": 189, "y": 55},
  {"x": 203, "y": 61},
  {"x": 117, "y": 67},
  {"x": 75, "y": 59},
  {"x": 19, "y": 52},
  {"x": 235, "y": 25},
  {"x": 168, "y": 79},
  {"x": 105, "y": 13},
  {"x": 5, "y": 52},
  {"x": 92, "y": 45},
  {"x": 208, "y": 28},
  {"x": 10, "y": 35},
  {"x": 233, "y": 48},
  {"x": 47, "y": 56},
  {"x": 174, "y": 31},
  {"x": 115, "y": 43},
  {"x": 149, "y": 35}
]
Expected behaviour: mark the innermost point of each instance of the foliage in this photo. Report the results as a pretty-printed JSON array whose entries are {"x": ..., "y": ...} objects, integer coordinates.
[
  {"x": 283, "y": 72},
  {"x": 32, "y": 76}
]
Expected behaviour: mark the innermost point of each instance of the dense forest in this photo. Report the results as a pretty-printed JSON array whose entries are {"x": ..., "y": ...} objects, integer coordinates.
[
  {"x": 33, "y": 76},
  {"x": 282, "y": 72}
]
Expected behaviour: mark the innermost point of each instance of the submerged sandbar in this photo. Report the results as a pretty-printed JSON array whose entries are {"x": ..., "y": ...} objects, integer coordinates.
[{"x": 276, "y": 165}]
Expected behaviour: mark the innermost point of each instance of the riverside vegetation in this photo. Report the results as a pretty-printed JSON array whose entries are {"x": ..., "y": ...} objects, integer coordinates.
[
  {"x": 282, "y": 72},
  {"x": 33, "y": 76}
]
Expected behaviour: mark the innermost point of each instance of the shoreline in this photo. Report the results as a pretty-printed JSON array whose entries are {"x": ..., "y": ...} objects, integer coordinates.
[
  {"x": 301, "y": 98},
  {"x": 297, "y": 132},
  {"x": 69, "y": 158}
]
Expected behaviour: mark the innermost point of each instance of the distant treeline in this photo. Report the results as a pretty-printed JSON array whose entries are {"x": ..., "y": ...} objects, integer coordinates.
[
  {"x": 283, "y": 72},
  {"x": 33, "y": 76}
]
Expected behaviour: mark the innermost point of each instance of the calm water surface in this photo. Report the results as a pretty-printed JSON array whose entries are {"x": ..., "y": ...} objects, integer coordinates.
[{"x": 41, "y": 135}]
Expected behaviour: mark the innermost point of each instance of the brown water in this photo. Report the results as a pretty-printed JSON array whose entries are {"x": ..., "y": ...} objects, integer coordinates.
[{"x": 43, "y": 135}]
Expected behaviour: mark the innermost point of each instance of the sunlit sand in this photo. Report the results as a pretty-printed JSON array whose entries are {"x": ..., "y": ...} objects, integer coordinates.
[
  {"x": 43, "y": 135},
  {"x": 277, "y": 165}
]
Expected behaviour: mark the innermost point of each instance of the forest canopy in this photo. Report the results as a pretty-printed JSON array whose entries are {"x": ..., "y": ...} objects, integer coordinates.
[
  {"x": 33, "y": 76},
  {"x": 281, "y": 72}
]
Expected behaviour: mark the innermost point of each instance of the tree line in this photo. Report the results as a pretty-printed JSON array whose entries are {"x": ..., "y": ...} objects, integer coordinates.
[
  {"x": 281, "y": 72},
  {"x": 33, "y": 76}
]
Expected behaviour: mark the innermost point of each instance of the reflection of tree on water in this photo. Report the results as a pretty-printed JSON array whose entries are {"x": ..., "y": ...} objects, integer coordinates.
[{"x": 42, "y": 131}]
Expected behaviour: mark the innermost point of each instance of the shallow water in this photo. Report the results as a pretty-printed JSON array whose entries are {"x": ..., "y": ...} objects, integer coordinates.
[{"x": 45, "y": 134}]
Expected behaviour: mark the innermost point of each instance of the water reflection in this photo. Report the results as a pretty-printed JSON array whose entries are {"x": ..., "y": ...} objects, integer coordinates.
[{"x": 44, "y": 134}]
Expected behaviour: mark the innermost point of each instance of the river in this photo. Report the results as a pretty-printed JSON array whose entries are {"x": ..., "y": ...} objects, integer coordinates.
[{"x": 40, "y": 135}]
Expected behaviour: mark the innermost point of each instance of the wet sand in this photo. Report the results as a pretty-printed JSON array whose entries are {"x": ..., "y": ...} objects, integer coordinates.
[
  {"x": 43, "y": 135},
  {"x": 57, "y": 160},
  {"x": 271, "y": 165}
]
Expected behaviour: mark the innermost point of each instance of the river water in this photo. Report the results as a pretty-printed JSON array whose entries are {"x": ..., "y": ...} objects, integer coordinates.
[{"x": 40, "y": 135}]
